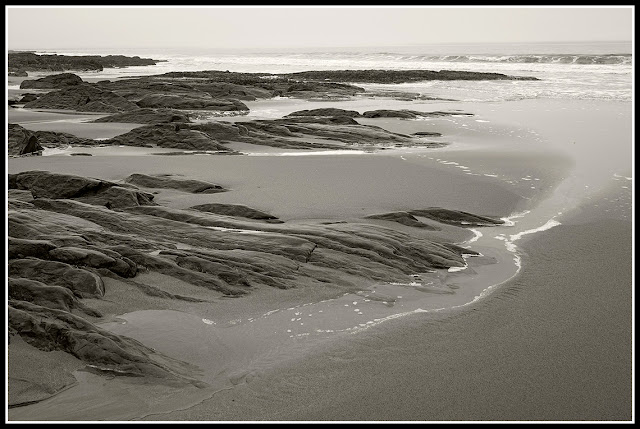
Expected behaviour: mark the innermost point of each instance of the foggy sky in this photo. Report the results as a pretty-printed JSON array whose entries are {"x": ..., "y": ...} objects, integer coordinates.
[{"x": 275, "y": 27}]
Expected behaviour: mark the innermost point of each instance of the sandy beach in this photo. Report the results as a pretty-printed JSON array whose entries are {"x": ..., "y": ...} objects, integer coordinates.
[
  {"x": 319, "y": 214},
  {"x": 552, "y": 343}
]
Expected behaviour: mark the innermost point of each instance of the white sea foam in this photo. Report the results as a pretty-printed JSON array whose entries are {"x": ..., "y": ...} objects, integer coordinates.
[
  {"x": 509, "y": 220},
  {"x": 476, "y": 235},
  {"x": 312, "y": 153},
  {"x": 236, "y": 230},
  {"x": 550, "y": 224}
]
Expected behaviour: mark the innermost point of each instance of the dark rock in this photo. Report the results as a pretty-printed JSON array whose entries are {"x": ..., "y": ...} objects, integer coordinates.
[
  {"x": 26, "y": 98},
  {"x": 22, "y": 248},
  {"x": 408, "y": 114},
  {"x": 403, "y": 218},
  {"x": 326, "y": 112},
  {"x": 165, "y": 181},
  {"x": 56, "y": 81},
  {"x": 18, "y": 73},
  {"x": 33, "y": 62},
  {"x": 53, "y": 329},
  {"x": 455, "y": 217},
  {"x": 81, "y": 282},
  {"x": 234, "y": 210},
  {"x": 170, "y": 101},
  {"x": 146, "y": 116},
  {"x": 83, "y": 98},
  {"x": 94, "y": 259},
  {"x": 44, "y": 184},
  {"x": 168, "y": 136},
  {"x": 38, "y": 293},
  {"x": 56, "y": 139},
  {"x": 22, "y": 141},
  {"x": 427, "y": 134},
  {"x": 399, "y": 76},
  {"x": 322, "y": 90}
]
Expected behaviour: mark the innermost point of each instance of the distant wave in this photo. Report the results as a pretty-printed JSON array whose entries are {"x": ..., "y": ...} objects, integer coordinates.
[{"x": 623, "y": 59}]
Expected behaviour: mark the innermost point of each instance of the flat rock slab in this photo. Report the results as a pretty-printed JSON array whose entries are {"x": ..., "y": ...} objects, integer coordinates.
[{"x": 168, "y": 182}]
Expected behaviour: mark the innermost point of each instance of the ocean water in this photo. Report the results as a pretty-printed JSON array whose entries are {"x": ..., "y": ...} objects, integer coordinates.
[{"x": 596, "y": 71}]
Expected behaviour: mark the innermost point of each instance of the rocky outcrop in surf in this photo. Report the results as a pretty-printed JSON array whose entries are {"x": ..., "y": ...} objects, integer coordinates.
[
  {"x": 56, "y": 81},
  {"x": 43, "y": 184},
  {"x": 66, "y": 247},
  {"x": 167, "y": 181},
  {"x": 456, "y": 217},
  {"x": 236, "y": 210},
  {"x": 22, "y": 141},
  {"x": 29, "y": 61},
  {"x": 399, "y": 76},
  {"x": 146, "y": 116},
  {"x": 82, "y": 98}
]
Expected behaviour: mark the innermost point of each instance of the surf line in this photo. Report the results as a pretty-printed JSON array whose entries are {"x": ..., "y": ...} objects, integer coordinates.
[{"x": 509, "y": 245}]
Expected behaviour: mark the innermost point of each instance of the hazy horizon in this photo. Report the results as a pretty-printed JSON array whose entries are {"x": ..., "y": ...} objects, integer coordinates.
[{"x": 272, "y": 28}]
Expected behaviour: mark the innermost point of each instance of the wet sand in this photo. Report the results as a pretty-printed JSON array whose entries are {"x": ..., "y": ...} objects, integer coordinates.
[
  {"x": 472, "y": 361},
  {"x": 553, "y": 344}
]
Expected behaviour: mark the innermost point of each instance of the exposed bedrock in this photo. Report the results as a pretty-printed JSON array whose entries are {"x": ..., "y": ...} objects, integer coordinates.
[
  {"x": 381, "y": 113},
  {"x": 56, "y": 329},
  {"x": 403, "y": 218},
  {"x": 61, "y": 249},
  {"x": 83, "y": 97},
  {"x": 22, "y": 141},
  {"x": 191, "y": 102},
  {"x": 408, "y": 114},
  {"x": 169, "y": 182},
  {"x": 136, "y": 89},
  {"x": 26, "y": 142},
  {"x": 80, "y": 281},
  {"x": 456, "y": 217},
  {"x": 30, "y": 61},
  {"x": 399, "y": 76},
  {"x": 146, "y": 116},
  {"x": 57, "y": 297},
  {"x": 44, "y": 184},
  {"x": 327, "y": 111},
  {"x": 55, "y": 139},
  {"x": 236, "y": 210},
  {"x": 56, "y": 81},
  {"x": 168, "y": 136}
]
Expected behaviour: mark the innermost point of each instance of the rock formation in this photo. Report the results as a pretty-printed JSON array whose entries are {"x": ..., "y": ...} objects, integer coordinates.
[{"x": 22, "y": 141}]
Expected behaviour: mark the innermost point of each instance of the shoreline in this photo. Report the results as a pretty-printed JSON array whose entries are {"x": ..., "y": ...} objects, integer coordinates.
[
  {"x": 294, "y": 212},
  {"x": 465, "y": 338}
]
